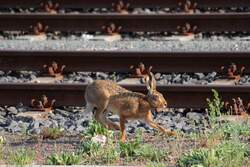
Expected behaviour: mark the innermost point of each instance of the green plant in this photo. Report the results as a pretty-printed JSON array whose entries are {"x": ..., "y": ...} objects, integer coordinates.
[
  {"x": 110, "y": 153},
  {"x": 232, "y": 153},
  {"x": 2, "y": 142},
  {"x": 226, "y": 154},
  {"x": 130, "y": 148},
  {"x": 95, "y": 153},
  {"x": 155, "y": 164},
  {"x": 151, "y": 153},
  {"x": 21, "y": 157},
  {"x": 194, "y": 157},
  {"x": 96, "y": 128},
  {"x": 89, "y": 147},
  {"x": 214, "y": 106},
  {"x": 64, "y": 159},
  {"x": 52, "y": 133}
]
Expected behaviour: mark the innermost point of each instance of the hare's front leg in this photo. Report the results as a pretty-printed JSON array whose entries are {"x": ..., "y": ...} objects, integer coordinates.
[
  {"x": 123, "y": 128},
  {"x": 150, "y": 121}
]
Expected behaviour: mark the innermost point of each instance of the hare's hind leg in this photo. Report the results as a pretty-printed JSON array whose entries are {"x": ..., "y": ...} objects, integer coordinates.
[
  {"x": 123, "y": 128},
  {"x": 100, "y": 117},
  {"x": 150, "y": 121}
]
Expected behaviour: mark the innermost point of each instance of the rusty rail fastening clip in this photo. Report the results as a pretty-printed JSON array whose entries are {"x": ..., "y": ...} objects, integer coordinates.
[
  {"x": 39, "y": 29},
  {"x": 140, "y": 71},
  {"x": 187, "y": 29},
  {"x": 112, "y": 29},
  {"x": 43, "y": 104},
  {"x": 188, "y": 6},
  {"x": 121, "y": 7},
  {"x": 232, "y": 71},
  {"x": 54, "y": 70},
  {"x": 237, "y": 107},
  {"x": 50, "y": 7}
]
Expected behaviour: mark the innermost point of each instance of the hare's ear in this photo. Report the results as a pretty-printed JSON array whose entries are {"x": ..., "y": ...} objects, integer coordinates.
[
  {"x": 147, "y": 82},
  {"x": 152, "y": 81}
]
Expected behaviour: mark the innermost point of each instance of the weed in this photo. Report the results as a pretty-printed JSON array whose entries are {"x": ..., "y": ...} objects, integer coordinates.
[
  {"x": 94, "y": 153},
  {"x": 2, "y": 142},
  {"x": 96, "y": 128},
  {"x": 90, "y": 148},
  {"x": 64, "y": 159},
  {"x": 21, "y": 157},
  {"x": 155, "y": 164},
  {"x": 214, "y": 106},
  {"x": 52, "y": 133},
  {"x": 149, "y": 152},
  {"x": 232, "y": 153},
  {"x": 130, "y": 148},
  {"x": 226, "y": 154}
]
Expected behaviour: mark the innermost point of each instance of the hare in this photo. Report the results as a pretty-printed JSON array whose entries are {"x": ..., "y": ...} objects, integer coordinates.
[
  {"x": 133, "y": 105},
  {"x": 97, "y": 96}
]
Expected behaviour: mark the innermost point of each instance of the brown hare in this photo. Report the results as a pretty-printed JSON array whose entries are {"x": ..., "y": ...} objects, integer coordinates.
[
  {"x": 133, "y": 105},
  {"x": 97, "y": 95}
]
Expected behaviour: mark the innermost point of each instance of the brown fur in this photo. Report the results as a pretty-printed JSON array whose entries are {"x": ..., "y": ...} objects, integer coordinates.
[{"x": 107, "y": 95}]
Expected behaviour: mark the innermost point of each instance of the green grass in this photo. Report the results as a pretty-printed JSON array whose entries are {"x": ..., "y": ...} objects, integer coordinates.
[
  {"x": 52, "y": 133},
  {"x": 21, "y": 157},
  {"x": 96, "y": 128},
  {"x": 226, "y": 154},
  {"x": 64, "y": 159}
]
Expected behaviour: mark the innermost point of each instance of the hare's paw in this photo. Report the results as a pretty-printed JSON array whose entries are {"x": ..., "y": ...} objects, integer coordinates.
[
  {"x": 114, "y": 126},
  {"x": 171, "y": 133}
]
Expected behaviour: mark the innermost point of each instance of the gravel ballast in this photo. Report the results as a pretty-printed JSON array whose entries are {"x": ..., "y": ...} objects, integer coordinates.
[
  {"x": 75, "y": 120},
  {"x": 204, "y": 45}
]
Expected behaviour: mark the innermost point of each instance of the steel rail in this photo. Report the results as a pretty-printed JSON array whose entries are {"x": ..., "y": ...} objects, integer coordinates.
[
  {"x": 73, "y": 94},
  {"x": 129, "y": 23},
  {"x": 120, "y": 61},
  {"x": 133, "y": 3}
]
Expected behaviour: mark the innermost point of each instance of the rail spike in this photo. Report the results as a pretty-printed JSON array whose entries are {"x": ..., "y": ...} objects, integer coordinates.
[
  {"x": 50, "y": 7},
  {"x": 121, "y": 7},
  {"x": 188, "y": 7},
  {"x": 43, "y": 104},
  {"x": 232, "y": 71},
  {"x": 187, "y": 29},
  {"x": 54, "y": 70},
  {"x": 112, "y": 29},
  {"x": 140, "y": 71},
  {"x": 39, "y": 29}
]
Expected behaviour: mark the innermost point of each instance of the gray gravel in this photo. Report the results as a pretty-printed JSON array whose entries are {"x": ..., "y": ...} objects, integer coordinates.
[
  {"x": 157, "y": 10},
  {"x": 206, "y": 45},
  {"x": 75, "y": 120},
  {"x": 88, "y": 77}
]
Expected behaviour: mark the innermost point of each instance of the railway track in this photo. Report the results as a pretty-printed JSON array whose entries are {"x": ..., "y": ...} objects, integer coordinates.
[
  {"x": 122, "y": 60},
  {"x": 133, "y": 3},
  {"x": 129, "y": 23},
  {"x": 73, "y": 94},
  {"x": 118, "y": 61}
]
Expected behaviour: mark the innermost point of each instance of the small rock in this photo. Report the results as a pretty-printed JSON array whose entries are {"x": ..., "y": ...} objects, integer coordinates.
[
  {"x": 158, "y": 76},
  {"x": 102, "y": 75},
  {"x": 99, "y": 139},
  {"x": 64, "y": 113},
  {"x": 194, "y": 116},
  {"x": 12, "y": 110},
  {"x": 80, "y": 129},
  {"x": 13, "y": 127},
  {"x": 3, "y": 121},
  {"x": 177, "y": 79},
  {"x": 199, "y": 75}
]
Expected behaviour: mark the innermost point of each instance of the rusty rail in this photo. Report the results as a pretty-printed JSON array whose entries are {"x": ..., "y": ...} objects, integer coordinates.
[
  {"x": 122, "y": 60},
  {"x": 128, "y": 23},
  {"x": 133, "y": 3},
  {"x": 73, "y": 94}
]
